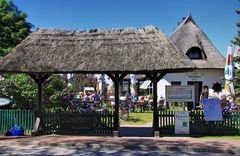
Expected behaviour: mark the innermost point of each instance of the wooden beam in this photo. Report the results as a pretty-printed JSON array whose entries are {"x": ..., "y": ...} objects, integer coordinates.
[
  {"x": 111, "y": 77},
  {"x": 44, "y": 78},
  {"x": 121, "y": 77},
  {"x": 34, "y": 77},
  {"x": 159, "y": 77},
  {"x": 39, "y": 78},
  {"x": 149, "y": 76}
]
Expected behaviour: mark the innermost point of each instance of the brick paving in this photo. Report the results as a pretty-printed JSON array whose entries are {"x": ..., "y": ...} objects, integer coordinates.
[{"x": 213, "y": 145}]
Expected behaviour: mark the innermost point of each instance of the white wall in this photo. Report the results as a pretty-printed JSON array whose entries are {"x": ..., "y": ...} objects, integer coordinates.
[{"x": 207, "y": 76}]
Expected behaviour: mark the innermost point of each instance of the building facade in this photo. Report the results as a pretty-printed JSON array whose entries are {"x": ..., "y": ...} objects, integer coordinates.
[{"x": 190, "y": 39}]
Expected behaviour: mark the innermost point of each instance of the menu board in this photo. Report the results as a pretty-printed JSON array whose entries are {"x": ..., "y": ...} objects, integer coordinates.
[
  {"x": 180, "y": 93},
  {"x": 182, "y": 122}
]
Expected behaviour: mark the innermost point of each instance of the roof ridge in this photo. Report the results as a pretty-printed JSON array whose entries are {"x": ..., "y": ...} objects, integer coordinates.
[{"x": 146, "y": 29}]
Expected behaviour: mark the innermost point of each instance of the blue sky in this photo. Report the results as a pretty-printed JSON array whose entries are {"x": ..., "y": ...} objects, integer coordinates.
[{"x": 216, "y": 17}]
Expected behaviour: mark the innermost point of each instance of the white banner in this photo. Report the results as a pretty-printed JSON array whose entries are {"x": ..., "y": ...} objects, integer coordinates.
[{"x": 229, "y": 67}]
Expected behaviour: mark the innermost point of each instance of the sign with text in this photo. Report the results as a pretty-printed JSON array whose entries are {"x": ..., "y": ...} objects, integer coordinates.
[
  {"x": 181, "y": 122},
  {"x": 212, "y": 109},
  {"x": 180, "y": 93},
  {"x": 194, "y": 75},
  {"x": 4, "y": 101}
]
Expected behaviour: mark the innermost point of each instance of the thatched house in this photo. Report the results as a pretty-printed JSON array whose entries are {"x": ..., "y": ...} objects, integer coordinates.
[{"x": 189, "y": 38}]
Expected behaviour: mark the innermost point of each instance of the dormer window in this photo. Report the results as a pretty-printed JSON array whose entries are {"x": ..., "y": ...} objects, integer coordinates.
[{"x": 194, "y": 53}]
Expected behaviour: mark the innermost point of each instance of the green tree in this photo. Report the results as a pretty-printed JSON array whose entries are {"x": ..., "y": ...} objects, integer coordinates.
[
  {"x": 13, "y": 29},
  {"x": 55, "y": 93},
  {"x": 13, "y": 26},
  {"x": 22, "y": 89},
  {"x": 236, "y": 42}
]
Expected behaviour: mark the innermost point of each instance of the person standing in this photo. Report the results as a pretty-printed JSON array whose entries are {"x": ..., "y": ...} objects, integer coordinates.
[{"x": 204, "y": 95}]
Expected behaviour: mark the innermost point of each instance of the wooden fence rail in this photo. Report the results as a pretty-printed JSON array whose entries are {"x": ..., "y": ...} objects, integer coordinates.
[
  {"x": 79, "y": 123},
  {"x": 76, "y": 123},
  {"x": 24, "y": 118},
  {"x": 198, "y": 126},
  {"x": 101, "y": 123}
]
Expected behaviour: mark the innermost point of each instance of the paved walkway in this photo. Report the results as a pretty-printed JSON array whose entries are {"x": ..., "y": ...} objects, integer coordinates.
[{"x": 216, "y": 145}]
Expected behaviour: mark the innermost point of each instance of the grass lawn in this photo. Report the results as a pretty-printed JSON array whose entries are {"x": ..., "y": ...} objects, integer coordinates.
[{"x": 138, "y": 118}]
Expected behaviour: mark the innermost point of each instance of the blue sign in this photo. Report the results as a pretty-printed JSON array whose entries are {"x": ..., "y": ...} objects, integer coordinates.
[{"x": 212, "y": 109}]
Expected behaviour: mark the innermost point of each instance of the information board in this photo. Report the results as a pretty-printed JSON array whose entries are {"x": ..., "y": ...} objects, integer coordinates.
[
  {"x": 180, "y": 93},
  {"x": 212, "y": 109},
  {"x": 182, "y": 122}
]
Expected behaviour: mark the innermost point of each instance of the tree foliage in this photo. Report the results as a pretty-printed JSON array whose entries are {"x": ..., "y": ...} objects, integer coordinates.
[
  {"x": 22, "y": 89},
  {"x": 236, "y": 42},
  {"x": 13, "y": 26}
]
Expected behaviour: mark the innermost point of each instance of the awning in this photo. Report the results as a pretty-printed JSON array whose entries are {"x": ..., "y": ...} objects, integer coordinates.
[{"x": 145, "y": 84}]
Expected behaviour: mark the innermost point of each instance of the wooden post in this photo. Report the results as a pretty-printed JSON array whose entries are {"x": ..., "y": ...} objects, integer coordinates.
[
  {"x": 116, "y": 79},
  {"x": 40, "y": 93},
  {"x": 155, "y": 110},
  {"x": 154, "y": 79},
  {"x": 116, "y": 108},
  {"x": 39, "y": 79}
]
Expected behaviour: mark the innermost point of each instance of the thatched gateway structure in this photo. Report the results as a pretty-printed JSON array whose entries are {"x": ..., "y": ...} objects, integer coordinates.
[{"x": 114, "y": 52}]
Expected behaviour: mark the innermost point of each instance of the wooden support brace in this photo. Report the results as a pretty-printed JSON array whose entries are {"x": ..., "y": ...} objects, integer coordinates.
[
  {"x": 111, "y": 77},
  {"x": 159, "y": 77},
  {"x": 149, "y": 76}
]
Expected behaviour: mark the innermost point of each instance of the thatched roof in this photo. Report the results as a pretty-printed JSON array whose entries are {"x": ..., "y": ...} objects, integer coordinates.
[
  {"x": 188, "y": 35},
  {"x": 121, "y": 50}
]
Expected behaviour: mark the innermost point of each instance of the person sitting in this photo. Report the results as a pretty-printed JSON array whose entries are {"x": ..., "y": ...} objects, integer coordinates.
[
  {"x": 135, "y": 102},
  {"x": 96, "y": 99},
  {"x": 86, "y": 100},
  {"x": 225, "y": 104},
  {"x": 127, "y": 103}
]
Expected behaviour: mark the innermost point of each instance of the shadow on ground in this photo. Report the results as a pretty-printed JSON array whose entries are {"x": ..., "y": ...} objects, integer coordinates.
[{"x": 181, "y": 144}]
